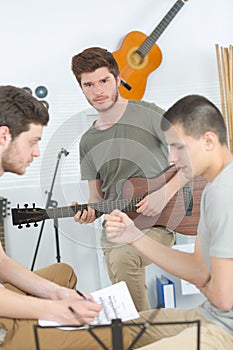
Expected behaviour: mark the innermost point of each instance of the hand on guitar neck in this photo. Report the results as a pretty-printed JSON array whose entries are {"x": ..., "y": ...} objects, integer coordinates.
[{"x": 85, "y": 216}]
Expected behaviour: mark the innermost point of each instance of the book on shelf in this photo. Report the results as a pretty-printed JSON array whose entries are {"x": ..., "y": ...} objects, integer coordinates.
[{"x": 165, "y": 292}]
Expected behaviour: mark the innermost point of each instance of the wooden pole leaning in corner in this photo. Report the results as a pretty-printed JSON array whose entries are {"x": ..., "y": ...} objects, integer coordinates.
[{"x": 225, "y": 74}]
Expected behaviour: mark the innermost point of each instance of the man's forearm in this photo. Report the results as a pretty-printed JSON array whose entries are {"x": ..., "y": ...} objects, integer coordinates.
[
  {"x": 25, "y": 280},
  {"x": 180, "y": 264},
  {"x": 17, "y": 305}
]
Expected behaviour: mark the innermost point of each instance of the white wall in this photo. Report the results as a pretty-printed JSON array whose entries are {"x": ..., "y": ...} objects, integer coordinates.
[{"x": 38, "y": 39}]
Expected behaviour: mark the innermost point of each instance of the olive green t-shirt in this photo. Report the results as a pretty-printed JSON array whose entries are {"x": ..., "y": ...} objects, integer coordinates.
[{"x": 133, "y": 147}]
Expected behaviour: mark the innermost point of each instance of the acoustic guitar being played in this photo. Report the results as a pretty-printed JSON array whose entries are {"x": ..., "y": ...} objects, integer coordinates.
[
  {"x": 181, "y": 213},
  {"x": 138, "y": 56}
]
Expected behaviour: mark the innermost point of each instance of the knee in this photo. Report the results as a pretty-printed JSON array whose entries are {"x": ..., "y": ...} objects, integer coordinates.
[
  {"x": 60, "y": 273},
  {"x": 60, "y": 267},
  {"x": 68, "y": 271},
  {"x": 67, "y": 275}
]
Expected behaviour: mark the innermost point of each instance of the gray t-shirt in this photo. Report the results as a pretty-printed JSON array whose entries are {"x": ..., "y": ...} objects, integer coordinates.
[
  {"x": 216, "y": 235},
  {"x": 133, "y": 147}
]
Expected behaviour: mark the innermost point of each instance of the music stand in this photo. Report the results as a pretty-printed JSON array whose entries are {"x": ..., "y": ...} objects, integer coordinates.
[
  {"x": 51, "y": 203},
  {"x": 117, "y": 335}
]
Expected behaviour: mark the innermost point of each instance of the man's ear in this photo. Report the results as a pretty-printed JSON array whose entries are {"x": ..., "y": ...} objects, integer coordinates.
[
  {"x": 118, "y": 80},
  {"x": 5, "y": 136},
  {"x": 210, "y": 139}
]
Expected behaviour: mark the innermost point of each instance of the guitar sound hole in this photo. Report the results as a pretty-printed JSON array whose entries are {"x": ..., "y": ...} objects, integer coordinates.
[{"x": 137, "y": 58}]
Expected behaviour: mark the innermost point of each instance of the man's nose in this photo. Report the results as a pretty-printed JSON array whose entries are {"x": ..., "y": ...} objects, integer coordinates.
[
  {"x": 36, "y": 151},
  {"x": 172, "y": 158},
  {"x": 98, "y": 89}
]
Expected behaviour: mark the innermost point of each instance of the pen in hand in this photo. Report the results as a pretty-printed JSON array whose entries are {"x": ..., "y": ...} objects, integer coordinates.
[
  {"x": 73, "y": 311},
  {"x": 82, "y": 295},
  {"x": 75, "y": 314}
]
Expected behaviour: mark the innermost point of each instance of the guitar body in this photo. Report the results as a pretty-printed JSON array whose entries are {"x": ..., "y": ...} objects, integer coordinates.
[
  {"x": 134, "y": 70},
  {"x": 174, "y": 215}
]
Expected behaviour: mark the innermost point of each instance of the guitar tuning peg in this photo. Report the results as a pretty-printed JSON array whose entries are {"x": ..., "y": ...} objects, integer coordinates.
[
  {"x": 20, "y": 226},
  {"x": 25, "y": 206},
  {"x": 28, "y": 225},
  {"x": 33, "y": 205},
  {"x": 35, "y": 224},
  {"x": 17, "y": 206}
]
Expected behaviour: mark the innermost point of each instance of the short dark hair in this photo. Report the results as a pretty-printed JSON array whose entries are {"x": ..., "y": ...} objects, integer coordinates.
[
  {"x": 197, "y": 115},
  {"x": 18, "y": 109},
  {"x": 91, "y": 59}
]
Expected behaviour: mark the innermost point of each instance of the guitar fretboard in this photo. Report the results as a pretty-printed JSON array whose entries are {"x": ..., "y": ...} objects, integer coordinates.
[
  {"x": 125, "y": 205},
  {"x": 146, "y": 46},
  {"x": 3, "y": 209},
  {"x": 2, "y": 234}
]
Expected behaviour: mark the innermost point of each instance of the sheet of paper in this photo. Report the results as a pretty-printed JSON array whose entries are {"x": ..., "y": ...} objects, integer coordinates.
[
  {"x": 116, "y": 302},
  {"x": 186, "y": 287},
  {"x": 45, "y": 323}
]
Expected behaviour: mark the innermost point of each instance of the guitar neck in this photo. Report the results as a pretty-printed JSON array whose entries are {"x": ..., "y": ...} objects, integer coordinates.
[
  {"x": 105, "y": 207},
  {"x": 146, "y": 46},
  {"x": 3, "y": 210},
  {"x": 34, "y": 215},
  {"x": 2, "y": 234}
]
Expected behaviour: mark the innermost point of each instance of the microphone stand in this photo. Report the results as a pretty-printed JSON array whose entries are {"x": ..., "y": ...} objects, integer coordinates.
[{"x": 51, "y": 203}]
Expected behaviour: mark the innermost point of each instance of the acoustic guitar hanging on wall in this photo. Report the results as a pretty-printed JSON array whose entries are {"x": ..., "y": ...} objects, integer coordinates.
[{"x": 138, "y": 56}]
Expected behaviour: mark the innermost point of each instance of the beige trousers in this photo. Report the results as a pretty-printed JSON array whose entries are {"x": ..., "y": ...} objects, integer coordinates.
[
  {"x": 126, "y": 264},
  {"x": 180, "y": 336}
]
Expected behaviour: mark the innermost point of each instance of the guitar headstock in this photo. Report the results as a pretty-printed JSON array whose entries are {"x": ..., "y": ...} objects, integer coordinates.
[
  {"x": 4, "y": 208},
  {"x": 26, "y": 215}
]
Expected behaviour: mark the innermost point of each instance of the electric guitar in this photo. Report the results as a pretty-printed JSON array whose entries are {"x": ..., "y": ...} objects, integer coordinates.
[
  {"x": 138, "y": 56},
  {"x": 181, "y": 213}
]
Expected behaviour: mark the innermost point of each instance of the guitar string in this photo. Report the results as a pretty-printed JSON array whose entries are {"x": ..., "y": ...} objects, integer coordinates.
[
  {"x": 103, "y": 207},
  {"x": 109, "y": 206}
]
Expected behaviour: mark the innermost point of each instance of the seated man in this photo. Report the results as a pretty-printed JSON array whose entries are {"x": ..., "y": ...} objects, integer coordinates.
[
  {"x": 196, "y": 135},
  {"x": 48, "y": 294}
]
